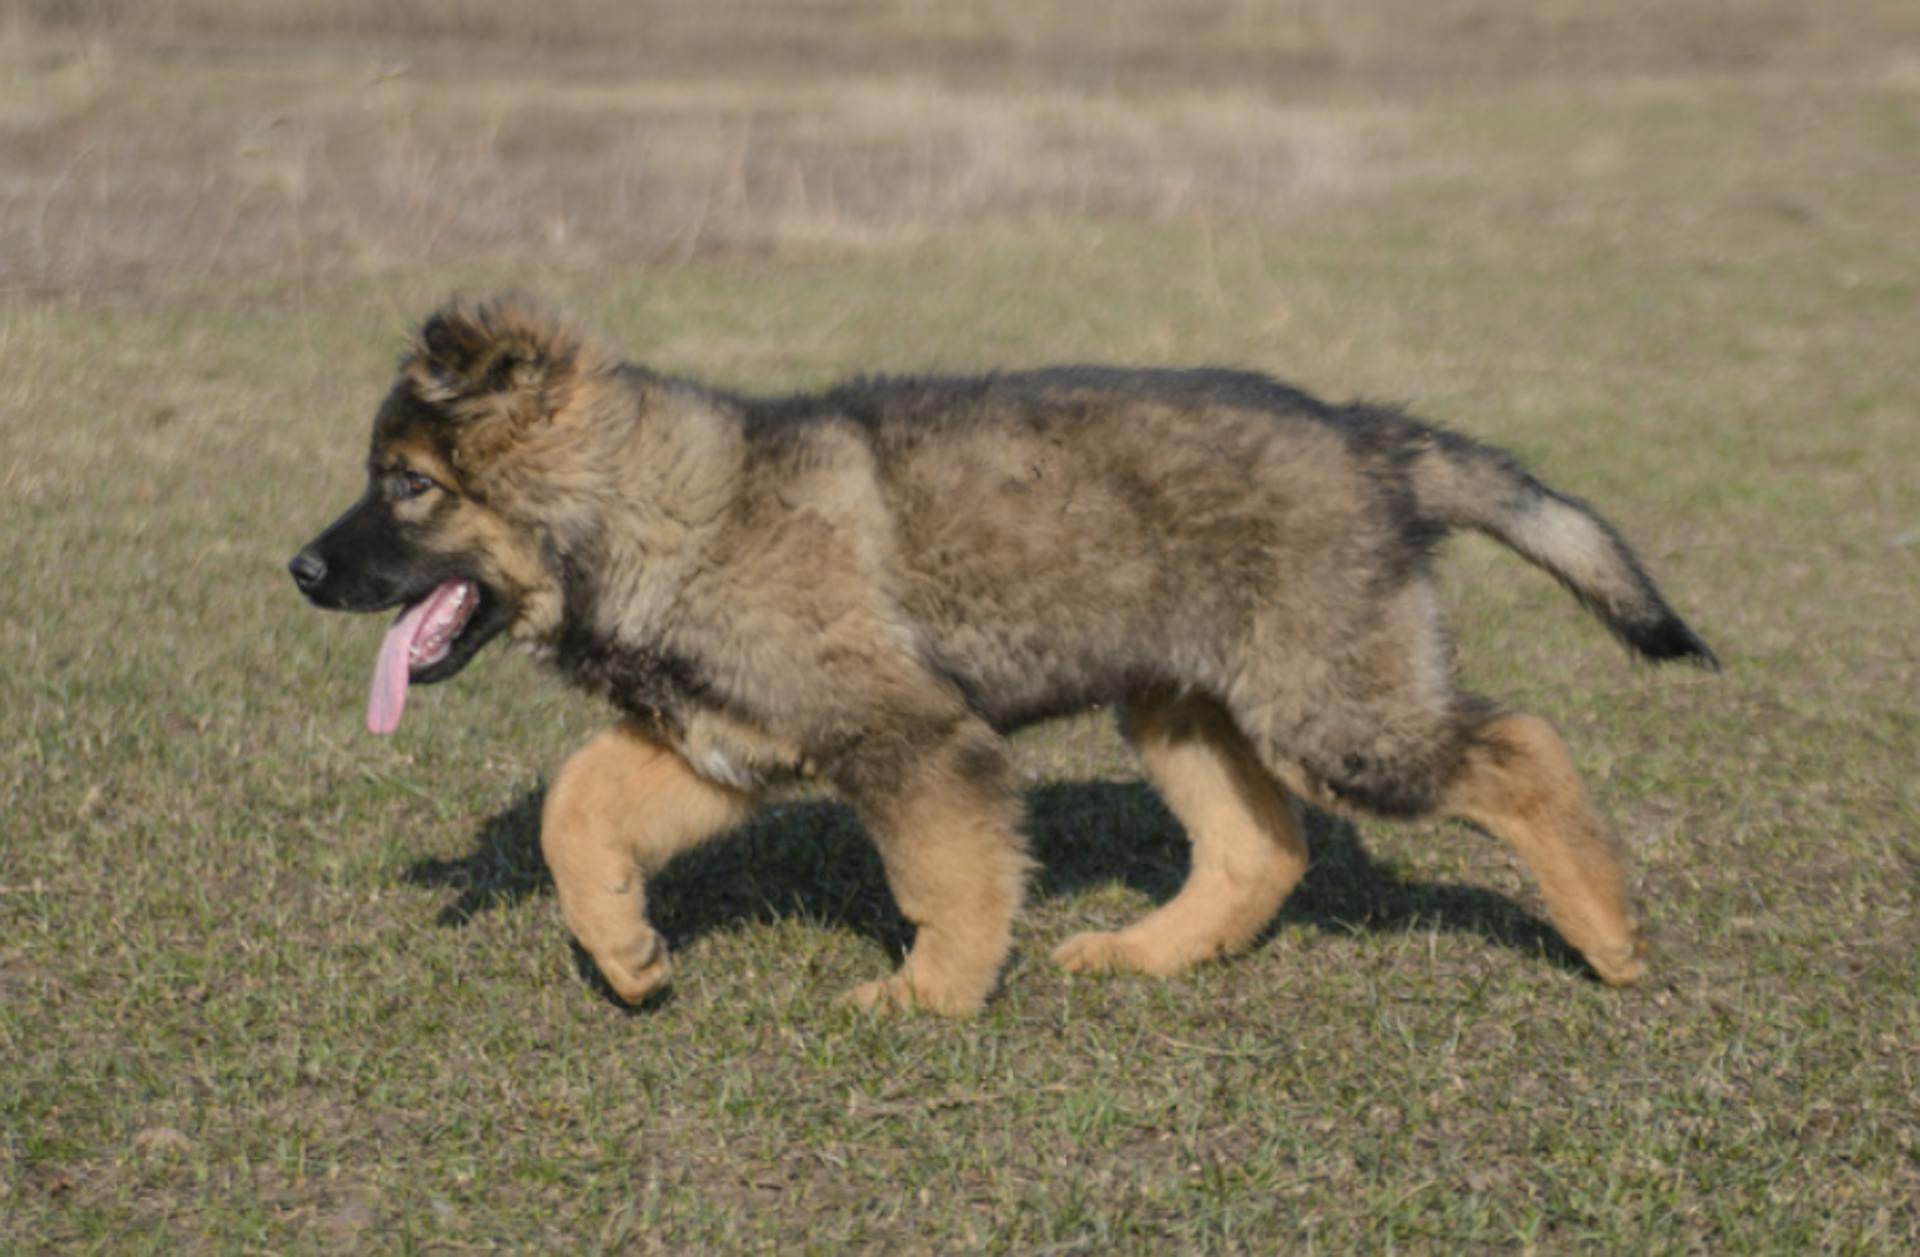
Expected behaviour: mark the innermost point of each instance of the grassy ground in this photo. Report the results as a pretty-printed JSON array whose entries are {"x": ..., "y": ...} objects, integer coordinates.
[{"x": 268, "y": 983}]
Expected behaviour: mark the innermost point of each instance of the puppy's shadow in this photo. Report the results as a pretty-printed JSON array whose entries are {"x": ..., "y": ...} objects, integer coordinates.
[
  {"x": 811, "y": 860},
  {"x": 805, "y": 859}
]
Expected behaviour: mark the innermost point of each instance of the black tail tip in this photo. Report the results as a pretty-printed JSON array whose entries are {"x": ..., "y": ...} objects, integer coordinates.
[{"x": 1670, "y": 639}]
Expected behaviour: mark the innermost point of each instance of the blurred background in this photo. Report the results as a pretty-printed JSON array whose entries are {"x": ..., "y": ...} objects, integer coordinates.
[{"x": 152, "y": 143}]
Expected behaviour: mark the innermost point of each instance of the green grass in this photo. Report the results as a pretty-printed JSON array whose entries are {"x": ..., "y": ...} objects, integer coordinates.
[{"x": 267, "y": 983}]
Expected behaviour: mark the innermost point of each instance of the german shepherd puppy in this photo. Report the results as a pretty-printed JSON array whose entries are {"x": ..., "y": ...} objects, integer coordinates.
[{"x": 873, "y": 584}]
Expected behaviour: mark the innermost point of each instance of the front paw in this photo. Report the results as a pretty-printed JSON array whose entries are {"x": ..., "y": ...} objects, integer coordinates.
[
  {"x": 1621, "y": 965},
  {"x": 639, "y": 970}
]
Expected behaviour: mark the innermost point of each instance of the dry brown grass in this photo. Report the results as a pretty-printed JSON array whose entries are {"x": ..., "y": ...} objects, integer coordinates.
[
  {"x": 1088, "y": 44},
  {"x": 360, "y": 137},
  {"x": 124, "y": 173}
]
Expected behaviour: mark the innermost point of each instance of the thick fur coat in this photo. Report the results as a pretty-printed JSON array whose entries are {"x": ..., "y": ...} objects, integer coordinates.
[{"x": 871, "y": 585}]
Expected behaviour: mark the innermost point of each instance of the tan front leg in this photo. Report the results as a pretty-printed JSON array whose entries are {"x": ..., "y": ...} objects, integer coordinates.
[
  {"x": 615, "y": 814},
  {"x": 957, "y": 868}
]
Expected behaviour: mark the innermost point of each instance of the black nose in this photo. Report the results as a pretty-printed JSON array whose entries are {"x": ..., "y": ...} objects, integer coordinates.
[{"x": 308, "y": 569}]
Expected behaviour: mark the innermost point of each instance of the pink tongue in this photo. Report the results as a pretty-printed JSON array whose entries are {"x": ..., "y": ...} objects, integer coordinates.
[{"x": 390, "y": 673}]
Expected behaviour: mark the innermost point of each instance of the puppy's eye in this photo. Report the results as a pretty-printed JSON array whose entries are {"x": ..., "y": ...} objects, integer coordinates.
[{"x": 411, "y": 484}]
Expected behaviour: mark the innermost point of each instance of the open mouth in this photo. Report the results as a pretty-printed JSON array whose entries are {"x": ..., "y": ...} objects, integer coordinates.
[
  {"x": 442, "y": 615},
  {"x": 421, "y": 639}
]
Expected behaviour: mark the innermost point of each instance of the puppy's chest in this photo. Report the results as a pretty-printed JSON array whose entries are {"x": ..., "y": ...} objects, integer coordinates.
[
  {"x": 736, "y": 754},
  {"x": 671, "y": 697},
  {"x": 642, "y": 681}
]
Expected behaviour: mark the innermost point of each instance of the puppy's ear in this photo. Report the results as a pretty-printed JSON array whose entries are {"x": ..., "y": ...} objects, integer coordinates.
[{"x": 503, "y": 358}]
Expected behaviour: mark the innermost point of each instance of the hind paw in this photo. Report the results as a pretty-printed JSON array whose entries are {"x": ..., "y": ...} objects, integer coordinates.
[
  {"x": 899, "y": 993},
  {"x": 887, "y": 995},
  {"x": 1114, "y": 951}
]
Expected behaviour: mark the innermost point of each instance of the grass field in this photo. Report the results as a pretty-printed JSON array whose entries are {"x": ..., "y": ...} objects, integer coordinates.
[{"x": 270, "y": 984}]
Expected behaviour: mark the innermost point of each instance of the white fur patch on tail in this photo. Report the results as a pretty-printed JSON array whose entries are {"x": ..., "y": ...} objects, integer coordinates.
[{"x": 1574, "y": 546}]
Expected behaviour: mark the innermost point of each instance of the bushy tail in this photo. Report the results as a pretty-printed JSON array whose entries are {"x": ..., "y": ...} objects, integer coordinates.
[{"x": 1465, "y": 484}]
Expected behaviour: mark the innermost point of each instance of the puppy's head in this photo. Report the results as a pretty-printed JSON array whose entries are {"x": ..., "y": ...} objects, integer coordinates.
[{"x": 474, "y": 449}]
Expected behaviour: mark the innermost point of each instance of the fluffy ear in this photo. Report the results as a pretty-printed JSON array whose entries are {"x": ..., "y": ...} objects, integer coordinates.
[{"x": 504, "y": 358}]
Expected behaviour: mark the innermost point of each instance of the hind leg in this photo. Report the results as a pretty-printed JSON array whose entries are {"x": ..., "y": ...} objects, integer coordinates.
[
  {"x": 617, "y": 812},
  {"x": 1248, "y": 851},
  {"x": 1518, "y": 783},
  {"x": 1385, "y": 731}
]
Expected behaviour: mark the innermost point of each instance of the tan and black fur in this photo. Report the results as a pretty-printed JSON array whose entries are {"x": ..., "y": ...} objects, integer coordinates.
[{"x": 873, "y": 584}]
